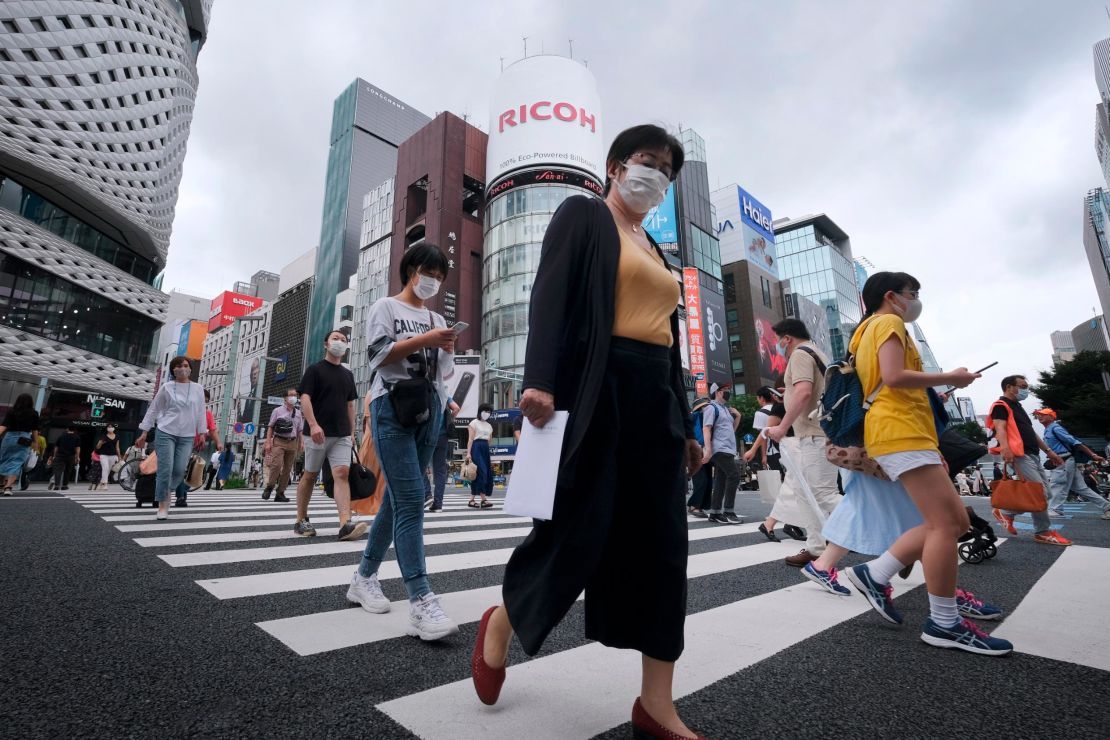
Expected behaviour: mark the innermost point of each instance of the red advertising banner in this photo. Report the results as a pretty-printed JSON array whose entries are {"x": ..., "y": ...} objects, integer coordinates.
[
  {"x": 694, "y": 327},
  {"x": 227, "y": 306}
]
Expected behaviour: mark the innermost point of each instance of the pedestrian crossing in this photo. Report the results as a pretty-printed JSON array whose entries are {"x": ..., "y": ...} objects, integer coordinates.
[{"x": 241, "y": 550}]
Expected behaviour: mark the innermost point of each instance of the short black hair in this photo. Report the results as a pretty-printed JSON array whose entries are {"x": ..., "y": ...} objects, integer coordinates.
[
  {"x": 766, "y": 392},
  {"x": 878, "y": 285},
  {"x": 485, "y": 407},
  {"x": 791, "y": 328},
  {"x": 424, "y": 256},
  {"x": 1011, "y": 380},
  {"x": 644, "y": 138},
  {"x": 337, "y": 330}
]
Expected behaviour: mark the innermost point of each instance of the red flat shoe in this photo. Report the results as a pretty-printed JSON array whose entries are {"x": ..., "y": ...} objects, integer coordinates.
[
  {"x": 646, "y": 728},
  {"x": 487, "y": 681}
]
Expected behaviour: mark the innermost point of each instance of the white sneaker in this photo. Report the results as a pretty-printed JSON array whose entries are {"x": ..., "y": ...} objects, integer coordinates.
[
  {"x": 367, "y": 593},
  {"x": 427, "y": 620},
  {"x": 1053, "y": 514},
  {"x": 162, "y": 515}
]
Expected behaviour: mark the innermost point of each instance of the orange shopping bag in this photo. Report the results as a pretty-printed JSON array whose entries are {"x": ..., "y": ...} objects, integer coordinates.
[{"x": 368, "y": 456}]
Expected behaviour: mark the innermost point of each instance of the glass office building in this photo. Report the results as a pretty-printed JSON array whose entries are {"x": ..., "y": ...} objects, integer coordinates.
[
  {"x": 515, "y": 225},
  {"x": 96, "y": 102},
  {"x": 367, "y": 126},
  {"x": 815, "y": 255}
]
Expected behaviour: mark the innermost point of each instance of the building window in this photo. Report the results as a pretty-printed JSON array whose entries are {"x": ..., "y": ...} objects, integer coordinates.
[
  {"x": 765, "y": 285},
  {"x": 472, "y": 196},
  {"x": 41, "y": 303},
  {"x": 25, "y": 202}
]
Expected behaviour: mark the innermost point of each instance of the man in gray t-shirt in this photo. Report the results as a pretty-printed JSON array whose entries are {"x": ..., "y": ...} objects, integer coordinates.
[{"x": 720, "y": 423}]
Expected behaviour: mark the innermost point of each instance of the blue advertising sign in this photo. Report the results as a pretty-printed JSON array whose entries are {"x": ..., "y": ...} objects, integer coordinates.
[
  {"x": 661, "y": 222},
  {"x": 758, "y": 232},
  {"x": 183, "y": 340},
  {"x": 281, "y": 367}
]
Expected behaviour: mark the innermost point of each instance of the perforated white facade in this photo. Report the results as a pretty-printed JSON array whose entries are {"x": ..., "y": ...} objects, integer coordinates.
[{"x": 96, "y": 101}]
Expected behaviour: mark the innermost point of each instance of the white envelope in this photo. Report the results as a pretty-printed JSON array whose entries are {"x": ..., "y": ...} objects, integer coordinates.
[{"x": 536, "y": 468}]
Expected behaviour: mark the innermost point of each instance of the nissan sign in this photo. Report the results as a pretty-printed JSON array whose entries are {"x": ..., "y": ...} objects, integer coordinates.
[{"x": 545, "y": 112}]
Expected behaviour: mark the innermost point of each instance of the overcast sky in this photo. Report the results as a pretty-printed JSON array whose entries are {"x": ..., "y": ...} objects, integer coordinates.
[{"x": 952, "y": 140}]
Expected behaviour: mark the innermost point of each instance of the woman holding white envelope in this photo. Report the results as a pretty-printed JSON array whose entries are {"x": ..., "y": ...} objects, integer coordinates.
[{"x": 603, "y": 344}]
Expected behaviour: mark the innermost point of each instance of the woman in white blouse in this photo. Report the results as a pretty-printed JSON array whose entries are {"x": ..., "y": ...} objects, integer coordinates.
[
  {"x": 477, "y": 451},
  {"x": 178, "y": 412}
]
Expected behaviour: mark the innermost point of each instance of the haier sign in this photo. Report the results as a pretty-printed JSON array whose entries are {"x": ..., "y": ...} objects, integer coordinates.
[{"x": 745, "y": 229}]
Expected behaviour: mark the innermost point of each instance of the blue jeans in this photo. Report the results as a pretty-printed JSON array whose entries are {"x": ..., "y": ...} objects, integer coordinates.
[
  {"x": 439, "y": 472},
  {"x": 404, "y": 455},
  {"x": 173, "y": 456}
]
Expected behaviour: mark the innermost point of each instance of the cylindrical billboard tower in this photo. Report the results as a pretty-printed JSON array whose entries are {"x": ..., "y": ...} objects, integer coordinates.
[{"x": 545, "y": 145}]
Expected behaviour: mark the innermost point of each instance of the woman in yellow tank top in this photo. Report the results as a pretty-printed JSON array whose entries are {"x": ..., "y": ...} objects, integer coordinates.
[{"x": 901, "y": 434}]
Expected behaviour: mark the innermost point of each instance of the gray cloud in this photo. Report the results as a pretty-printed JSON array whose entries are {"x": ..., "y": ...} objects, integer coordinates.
[{"x": 953, "y": 140}]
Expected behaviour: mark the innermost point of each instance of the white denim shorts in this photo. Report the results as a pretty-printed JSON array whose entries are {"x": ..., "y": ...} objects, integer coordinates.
[{"x": 897, "y": 463}]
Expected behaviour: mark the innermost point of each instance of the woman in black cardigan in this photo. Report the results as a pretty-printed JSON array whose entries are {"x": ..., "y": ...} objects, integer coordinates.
[{"x": 603, "y": 343}]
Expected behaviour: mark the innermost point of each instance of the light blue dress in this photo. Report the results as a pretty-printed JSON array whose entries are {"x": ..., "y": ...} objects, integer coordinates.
[
  {"x": 13, "y": 456},
  {"x": 872, "y": 515}
]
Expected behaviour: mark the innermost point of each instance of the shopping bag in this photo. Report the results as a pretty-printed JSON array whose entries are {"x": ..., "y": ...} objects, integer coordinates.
[
  {"x": 790, "y": 452},
  {"x": 769, "y": 483},
  {"x": 469, "y": 471},
  {"x": 1018, "y": 495},
  {"x": 194, "y": 472},
  {"x": 369, "y": 459},
  {"x": 149, "y": 465}
]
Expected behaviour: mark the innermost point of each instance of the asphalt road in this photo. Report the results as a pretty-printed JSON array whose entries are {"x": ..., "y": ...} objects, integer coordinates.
[{"x": 110, "y": 632}]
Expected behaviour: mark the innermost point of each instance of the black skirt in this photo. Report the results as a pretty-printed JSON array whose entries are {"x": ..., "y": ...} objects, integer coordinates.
[{"x": 619, "y": 532}]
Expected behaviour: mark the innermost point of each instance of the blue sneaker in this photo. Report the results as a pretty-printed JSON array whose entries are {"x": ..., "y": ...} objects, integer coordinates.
[
  {"x": 878, "y": 595},
  {"x": 964, "y": 635},
  {"x": 826, "y": 579},
  {"x": 969, "y": 606}
]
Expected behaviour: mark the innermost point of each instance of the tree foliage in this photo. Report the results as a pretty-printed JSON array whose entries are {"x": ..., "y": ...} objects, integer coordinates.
[
  {"x": 1076, "y": 392},
  {"x": 972, "y": 431}
]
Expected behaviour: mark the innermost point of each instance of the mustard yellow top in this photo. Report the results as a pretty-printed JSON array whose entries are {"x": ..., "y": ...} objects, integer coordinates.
[
  {"x": 901, "y": 419},
  {"x": 647, "y": 295}
]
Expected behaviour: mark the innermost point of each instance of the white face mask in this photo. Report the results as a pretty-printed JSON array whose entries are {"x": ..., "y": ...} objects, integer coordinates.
[
  {"x": 290, "y": 400},
  {"x": 484, "y": 415},
  {"x": 426, "y": 287},
  {"x": 643, "y": 187},
  {"x": 182, "y": 373},
  {"x": 337, "y": 348},
  {"x": 911, "y": 312}
]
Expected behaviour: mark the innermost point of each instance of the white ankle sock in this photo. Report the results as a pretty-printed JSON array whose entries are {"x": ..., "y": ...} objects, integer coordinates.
[
  {"x": 942, "y": 610},
  {"x": 884, "y": 567}
]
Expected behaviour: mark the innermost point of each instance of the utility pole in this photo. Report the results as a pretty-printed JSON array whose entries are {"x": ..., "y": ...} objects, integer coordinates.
[{"x": 525, "y": 38}]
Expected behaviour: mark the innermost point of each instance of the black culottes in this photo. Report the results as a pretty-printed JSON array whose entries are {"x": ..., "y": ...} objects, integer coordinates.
[{"x": 619, "y": 532}]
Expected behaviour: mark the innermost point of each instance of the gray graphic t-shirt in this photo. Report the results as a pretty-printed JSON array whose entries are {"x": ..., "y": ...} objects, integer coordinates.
[{"x": 391, "y": 321}]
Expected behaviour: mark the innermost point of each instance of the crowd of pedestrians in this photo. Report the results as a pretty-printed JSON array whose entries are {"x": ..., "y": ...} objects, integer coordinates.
[{"x": 619, "y": 531}]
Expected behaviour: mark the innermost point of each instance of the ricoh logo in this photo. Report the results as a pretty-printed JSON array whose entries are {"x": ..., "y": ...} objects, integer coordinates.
[
  {"x": 752, "y": 211},
  {"x": 545, "y": 110}
]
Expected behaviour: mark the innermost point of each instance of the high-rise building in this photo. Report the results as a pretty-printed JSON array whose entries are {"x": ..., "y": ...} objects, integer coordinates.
[
  {"x": 1096, "y": 243},
  {"x": 367, "y": 126},
  {"x": 540, "y": 104},
  {"x": 754, "y": 298},
  {"x": 684, "y": 226},
  {"x": 1063, "y": 347},
  {"x": 815, "y": 255},
  {"x": 1091, "y": 336},
  {"x": 373, "y": 273},
  {"x": 288, "y": 320},
  {"x": 96, "y": 101}
]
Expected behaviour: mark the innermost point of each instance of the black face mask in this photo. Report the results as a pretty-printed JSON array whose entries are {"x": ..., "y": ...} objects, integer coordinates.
[{"x": 726, "y": 395}]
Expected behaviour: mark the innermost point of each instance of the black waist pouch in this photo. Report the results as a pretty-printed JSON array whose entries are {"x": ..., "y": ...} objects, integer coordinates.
[{"x": 412, "y": 400}]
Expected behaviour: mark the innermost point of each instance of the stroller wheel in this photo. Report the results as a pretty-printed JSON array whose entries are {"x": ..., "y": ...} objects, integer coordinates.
[
  {"x": 991, "y": 551},
  {"x": 969, "y": 554}
]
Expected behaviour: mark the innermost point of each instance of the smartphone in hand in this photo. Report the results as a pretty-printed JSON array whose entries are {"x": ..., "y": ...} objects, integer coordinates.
[{"x": 460, "y": 327}]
